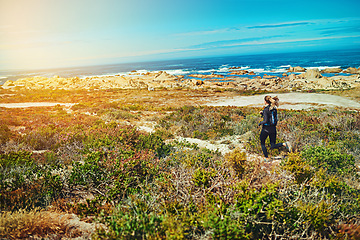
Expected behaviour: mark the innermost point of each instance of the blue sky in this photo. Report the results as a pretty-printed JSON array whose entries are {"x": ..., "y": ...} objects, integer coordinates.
[{"x": 52, "y": 33}]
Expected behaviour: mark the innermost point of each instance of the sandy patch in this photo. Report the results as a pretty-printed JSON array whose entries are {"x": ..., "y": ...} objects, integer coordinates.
[
  {"x": 296, "y": 101},
  {"x": 34, "y": 104},
  {"x": 215, "y": 145}
]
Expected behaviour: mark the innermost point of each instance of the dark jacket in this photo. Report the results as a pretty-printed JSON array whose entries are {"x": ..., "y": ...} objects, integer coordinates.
[{"x": 266, "y": 115}]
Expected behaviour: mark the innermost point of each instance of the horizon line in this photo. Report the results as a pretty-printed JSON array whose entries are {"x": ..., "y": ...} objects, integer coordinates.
[{"x": 175, "y": 59}]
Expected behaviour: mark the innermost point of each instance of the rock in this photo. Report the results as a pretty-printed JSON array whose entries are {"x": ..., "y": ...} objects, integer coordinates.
[
  {"x": 332, "y": 70},
  {"x": 311, "y": 74},
  {"x": 324, "y": 82},
  {"x": 200, "y": 76},
  {"x": 242, "y": 87},
  {"x": 206, "y": 76},
  {"x": 296, "y": 69},
  {"x": 251, "y": 73},
  {"x": 9, "y": 83},
  {"x": 357, "y": 80},
  {"x": 292, "y": 77},
  {"x": 352, "y": 70},
  {"x": 340, "y": 84},
  {"x": 216, "y": 75},
  {"x": 198, "y": 82},
  {"x": 163, "y": 76},
  {"x": 268, "y": 76},
  {"x": 265, "y": 82},
  {"x": 240, "y": 72}
]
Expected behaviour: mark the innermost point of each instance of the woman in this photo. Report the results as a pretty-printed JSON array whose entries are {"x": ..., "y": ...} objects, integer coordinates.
[{"x": 269, "y": 125}]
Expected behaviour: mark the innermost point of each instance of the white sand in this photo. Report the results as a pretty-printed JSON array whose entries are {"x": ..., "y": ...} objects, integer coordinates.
[
  {"x": 294, "y": 101},
  {"x": 34, "y": 104}
]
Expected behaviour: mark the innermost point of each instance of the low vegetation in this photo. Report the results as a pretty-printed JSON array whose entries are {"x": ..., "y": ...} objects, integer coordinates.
[{"x": 56, "y": 166}]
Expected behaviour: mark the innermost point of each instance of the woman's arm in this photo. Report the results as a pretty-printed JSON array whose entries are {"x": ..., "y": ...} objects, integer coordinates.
[{"x": 265, "y": 115}]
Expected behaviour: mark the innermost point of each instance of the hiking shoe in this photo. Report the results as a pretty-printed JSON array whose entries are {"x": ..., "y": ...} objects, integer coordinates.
[{"x": 288, "y": 146}]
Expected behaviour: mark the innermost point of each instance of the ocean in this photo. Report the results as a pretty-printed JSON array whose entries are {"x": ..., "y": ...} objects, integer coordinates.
[{"x": 272, "y": 64}]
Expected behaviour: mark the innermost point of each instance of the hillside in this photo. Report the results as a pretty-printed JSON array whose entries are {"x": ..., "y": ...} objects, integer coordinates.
[{"x": 140, "y": 164}]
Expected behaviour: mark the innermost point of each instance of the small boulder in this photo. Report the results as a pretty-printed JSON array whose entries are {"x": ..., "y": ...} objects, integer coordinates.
[
  {"x": 296, "y": 69},
  {"x": 352, "y": 70},
  {"x": 9, "y": 83},
  {"x": 292, "y": 77},
  {"x": 239, "y": 72},
  {"x": 332, "y": 70},
  {"x": 311, "y": 74},
  {"x": 163, "y": 76},
  {"x": 198, "y": 82}
]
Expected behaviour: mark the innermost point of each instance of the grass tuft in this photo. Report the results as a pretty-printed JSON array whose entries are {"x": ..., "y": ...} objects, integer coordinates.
[{"x": 23, "y": 224}]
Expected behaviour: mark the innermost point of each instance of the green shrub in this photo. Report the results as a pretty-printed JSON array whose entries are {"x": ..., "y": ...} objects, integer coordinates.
[
  {"x": 329, "y": 182},
  {"x": 204, "y": 122},
  {"x": 17, "y": 169},
  {"x": 44, "y": 138},
  {"x": 249, "y": 123},
  {"x": 155, "y": 142},
  {"x": 260, "y": 209},
  {"x": 202, "y": 177},
  {"x": 237, "y": 161},
  {"x": 114, "y": 174},
  {"x": 136, "y": 221},
  {"x": 26, "y": 183},
  {"x": 109, "y": 137},
  {"x": 5, "y": 133},
  {"x": 119, "y": 114},
  {"x": 320, "y": 215},
  {"x": 102, "y": 136},
  {"x": 92, "y": 173},
  {"x": 226, "y": 225},
  {"x": 133, "y": 174},
  {"x": 297, "y": 166},
  {"x": 330, "y": 160},
  {"x": 202, "y": 159},
  {"x": 347, "y": 142}
]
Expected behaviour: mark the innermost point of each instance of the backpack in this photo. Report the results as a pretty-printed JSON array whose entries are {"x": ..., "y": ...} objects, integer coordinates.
[{"x": 273, "y": 118}]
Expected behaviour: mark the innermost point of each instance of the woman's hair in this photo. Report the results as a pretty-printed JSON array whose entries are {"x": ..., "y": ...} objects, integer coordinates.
[{"x": 272, "y": 101}]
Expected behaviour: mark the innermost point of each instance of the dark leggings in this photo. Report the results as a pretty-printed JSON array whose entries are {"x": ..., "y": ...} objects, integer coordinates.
[{"x": 271, "y": 132}]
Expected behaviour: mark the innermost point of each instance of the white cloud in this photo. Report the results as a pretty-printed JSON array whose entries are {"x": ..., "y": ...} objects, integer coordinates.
[
  {"x": 209, "y": 32},
  {"x": 281, "y": 25},
  {"x": 288, "y": 41}
]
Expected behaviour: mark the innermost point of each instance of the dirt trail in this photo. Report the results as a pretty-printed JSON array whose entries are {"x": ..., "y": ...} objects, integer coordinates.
[{"x": 228, "y": 144}]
